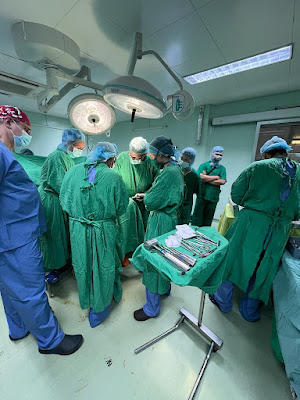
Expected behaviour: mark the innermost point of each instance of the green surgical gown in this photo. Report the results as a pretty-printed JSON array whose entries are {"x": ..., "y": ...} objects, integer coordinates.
[
  {"x": 32, "y": 165},
  {"x": 55, "y": 243},
  {"x": 192, "y": 186},
  {"x": 130, "y": 230},
  {"x": 263, "y": 225},
  {"x": 206, "y": 204},
  {"x": 93, "y": 210},
  {"x": 138, "y": 178},
  {"x": 163, "y": 201}
]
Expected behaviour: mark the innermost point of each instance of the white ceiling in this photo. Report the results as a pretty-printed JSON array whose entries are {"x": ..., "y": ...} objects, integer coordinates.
[{"x": 189, "y": 35}]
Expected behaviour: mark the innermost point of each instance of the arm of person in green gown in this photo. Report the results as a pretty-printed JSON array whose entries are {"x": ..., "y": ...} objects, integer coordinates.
[
  {"x": 240, "y": 187},
  {"x": 208, "y": 178},
  {"x": 218, "y": 182},
  {"x": 222, "y": 178},
  {"x": 197, "y": 187},
  {"x": 121, "y": 197},
  {"x": 156, "y": 197},
  {"x": 65, "y": 192}
]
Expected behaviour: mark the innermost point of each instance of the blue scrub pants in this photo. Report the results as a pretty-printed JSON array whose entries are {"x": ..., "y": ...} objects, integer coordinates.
[
  {"x": 249, "y": 308},
  {"x": 96, "y": 318},
  {"x": 22, "y": 287},
  {"x": 153, "y": 303}
]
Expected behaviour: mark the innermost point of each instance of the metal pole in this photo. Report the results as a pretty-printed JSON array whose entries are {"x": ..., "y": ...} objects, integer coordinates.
[
  {"x": 201, "y": 373},
  {"x": 201, "y": 309},
  {"x": 136, "y": 52},
  {"x": 158, "y": 338},
  {"x": 165, "y": 65}
]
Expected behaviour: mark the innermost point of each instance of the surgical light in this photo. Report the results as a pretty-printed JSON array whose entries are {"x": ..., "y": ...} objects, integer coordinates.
[
  {"x": 91, "y": 114},
  {"x": 135, "y": 96},
  {"x": 260, "y": 60}
]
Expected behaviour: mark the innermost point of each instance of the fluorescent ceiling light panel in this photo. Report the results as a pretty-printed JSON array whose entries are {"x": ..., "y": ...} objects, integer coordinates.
[{"x": 260, "y": 60}]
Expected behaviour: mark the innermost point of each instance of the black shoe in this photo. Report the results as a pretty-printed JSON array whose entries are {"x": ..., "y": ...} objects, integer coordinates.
[
  {"x": 14, "y": 340},
  {"x": 68, "y": 345},
  {"x": 140, "y": 315}
]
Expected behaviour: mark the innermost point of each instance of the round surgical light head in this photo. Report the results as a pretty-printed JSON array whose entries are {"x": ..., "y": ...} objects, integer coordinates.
[
  {"x": 136, "y": 96},
  {"x": 91, "y": 114}
]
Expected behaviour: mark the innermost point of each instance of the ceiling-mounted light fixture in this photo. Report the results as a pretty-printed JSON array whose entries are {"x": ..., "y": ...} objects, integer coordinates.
[
  {"x": 260, "y": 60},
  {"x": 91, "y": 114},
  {"x": 134, "y": 95},
  {"x": 48, "y": 49},
  {"x": 138, "y": 97}
]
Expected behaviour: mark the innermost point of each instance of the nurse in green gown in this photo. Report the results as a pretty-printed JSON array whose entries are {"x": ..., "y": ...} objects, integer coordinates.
[
  {"x": 192, "y": 184},
  {"x": 163, "y": 201},
  {"x": 55, "y": 243},
  {"x": 138, "y": 173},
  {"x": 94, "y": 196},
  {"x": 213, "y": 176},
  {"x": 269, "y": 191}
]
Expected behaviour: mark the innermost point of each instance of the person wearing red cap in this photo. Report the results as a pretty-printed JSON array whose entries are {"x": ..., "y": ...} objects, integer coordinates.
[
  {"x": 22, "y": 122},
  {"x": 22, "y": 221}
]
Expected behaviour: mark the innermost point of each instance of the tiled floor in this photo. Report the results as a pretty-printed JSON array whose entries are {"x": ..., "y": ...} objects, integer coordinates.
[{"x": 107, "y": 368}]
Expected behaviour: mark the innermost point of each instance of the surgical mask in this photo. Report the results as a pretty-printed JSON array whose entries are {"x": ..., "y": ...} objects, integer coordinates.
[
  {"x": 76, "y": 152},
  {"x": 185, "y": 165},
  {"x": 135, "y": 162},
  {"x": 21, "y": 141},
  {"x": 217, "y": 158}
]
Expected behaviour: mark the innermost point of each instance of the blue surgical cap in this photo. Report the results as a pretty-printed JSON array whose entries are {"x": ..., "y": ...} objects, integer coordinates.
[
  {"x": 274, "y": 144},
  {"x": 163, "y": 146},
  {"x": 103, "y": 152},
  {"x": 189, "y": 153},
  {"x": 216, "y": 149},
  {"x": 116, "y": 148},
  {"x": 70, "y": 136}
]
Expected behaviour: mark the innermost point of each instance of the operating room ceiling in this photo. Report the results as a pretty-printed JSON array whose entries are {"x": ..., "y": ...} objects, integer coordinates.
[{"x": 189, "y": 35}]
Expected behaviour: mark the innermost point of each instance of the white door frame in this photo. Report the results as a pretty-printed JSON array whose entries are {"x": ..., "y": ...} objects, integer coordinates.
[{"x": 260, "y": 123}]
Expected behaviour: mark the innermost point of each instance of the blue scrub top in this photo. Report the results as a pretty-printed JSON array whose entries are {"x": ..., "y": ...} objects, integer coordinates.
[{"x": 22, "y": 217}]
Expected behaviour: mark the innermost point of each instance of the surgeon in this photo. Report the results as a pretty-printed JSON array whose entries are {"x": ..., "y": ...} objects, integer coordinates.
[
  {"x": 22, "y": 280},
  {"x": 55, "y": 242},
  {"x": 269, "y": 191},
  {"x": 94, "y": 196},
  {"x": 138, "y": 173},
  {"x": 163, "y": 201},
  {"x": 192, "y": 184},
  {"x": 213, "y": 176}
]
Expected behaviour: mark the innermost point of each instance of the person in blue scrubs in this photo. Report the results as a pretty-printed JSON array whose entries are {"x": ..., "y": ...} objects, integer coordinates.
[{"x": 22, "y": 279}]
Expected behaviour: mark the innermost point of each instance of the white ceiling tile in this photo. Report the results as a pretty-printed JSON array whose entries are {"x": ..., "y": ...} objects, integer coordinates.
[
  {"x": 164, "y": 82},
  {"x": 88, "y": 60},
  {"x": 214, "y": 92},
  {"x": 269, "y": 78},
  {"x": 201, "y": 3},
  {"x": 143, "y": 16},
  {"x": 98, "y": 36},
  {"x": 244, "y": 28},
  {"x": 102, "y": 74},
  {"x": 186, "y": 40},
  {"x": 41, "y": 11}
]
